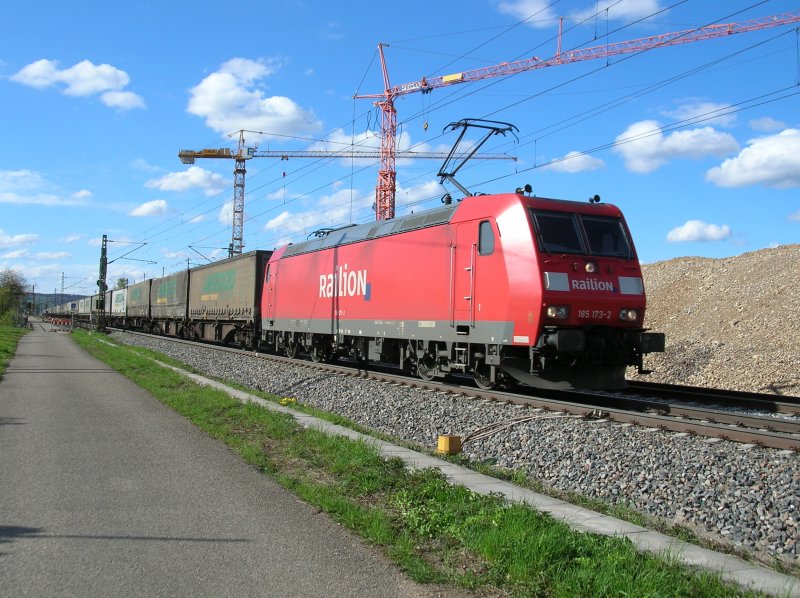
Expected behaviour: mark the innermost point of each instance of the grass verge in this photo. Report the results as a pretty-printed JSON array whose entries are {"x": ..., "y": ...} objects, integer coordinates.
[
  {"x": 436, "y": 532},
  {"x": 9, "y": 339}
]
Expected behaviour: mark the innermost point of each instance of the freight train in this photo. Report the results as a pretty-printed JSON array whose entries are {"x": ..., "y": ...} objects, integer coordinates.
[{"x": 506, "y": 288}]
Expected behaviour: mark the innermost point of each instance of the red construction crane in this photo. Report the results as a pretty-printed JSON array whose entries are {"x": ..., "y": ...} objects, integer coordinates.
[{"x": 385, "y": 190}]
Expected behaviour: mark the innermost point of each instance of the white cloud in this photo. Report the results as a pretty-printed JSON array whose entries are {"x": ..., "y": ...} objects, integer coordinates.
[
  {"x": 231, "y": 99},
  {"x": 21, "y": 180},
  {"x": 197, "y": 219},
  {"x": 52, "y": 255},
  {"x": 28, "y": 187},
  {"x": 279, "y": 221},
  {"x": 341, "y": 141},
  {"x": 539, "y": 11},
  {"x": 795, "y": 217},
  {"x": 619, "y": 10},
  {"x": 173, "y": 255},
  {"x": 15, "y": 240},
  {"x": 226, "y": 213},
  {"x": 71, "y": 238},
  {"x": 81, "y": 80},
  {"x": 698, "y": 231},
  {"x": 336, "y": 209},
  {"x": 406, "y": 198},
  {"x": 15, "y": 255},
  {"x": 41, "y": 199},
  {"x": 772, "y": 161},
  {"x": 157, "y": 207},
  {"x": 328, "y": 210},
  {"x": 645, "y": 148},
  {"x": 704, "y": 111},
  {"x": 194, "y": 177},
  {"x": 575, "y": 162},
  {"x": 282, "y": 195},
  {"x": 122, "y": 99},
  {"x": 766, "y": 124},
  {"x": 368, "y": 141},
  {"x": 143, "y": 165}
]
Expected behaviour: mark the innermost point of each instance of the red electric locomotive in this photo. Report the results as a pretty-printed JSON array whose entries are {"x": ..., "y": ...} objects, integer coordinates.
[{"x": 501, "y": 288}]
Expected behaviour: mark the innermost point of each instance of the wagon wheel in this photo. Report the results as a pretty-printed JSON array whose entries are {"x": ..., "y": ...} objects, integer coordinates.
[
  {"x": 481, "y": 375},
  {"x": 426, "y": 368}
]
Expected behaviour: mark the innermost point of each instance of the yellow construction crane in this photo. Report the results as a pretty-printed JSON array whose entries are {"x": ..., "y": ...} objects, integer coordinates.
[{"x": 244, "y": 153}]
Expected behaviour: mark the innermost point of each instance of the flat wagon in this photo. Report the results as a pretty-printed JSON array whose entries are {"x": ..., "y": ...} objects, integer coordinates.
[{"x": 224, "y": 299}]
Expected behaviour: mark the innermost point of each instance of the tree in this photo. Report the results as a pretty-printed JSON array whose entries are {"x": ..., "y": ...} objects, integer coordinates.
[
  {"x": 120, "y": 284},
  {"x": 12, "y": 292}
]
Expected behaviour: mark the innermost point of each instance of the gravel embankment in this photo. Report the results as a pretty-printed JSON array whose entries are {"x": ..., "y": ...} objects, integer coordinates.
[{"x": 748, "y": 497}]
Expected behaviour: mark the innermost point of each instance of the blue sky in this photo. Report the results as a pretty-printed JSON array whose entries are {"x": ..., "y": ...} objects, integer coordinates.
[{"x": 698, "y": 144}]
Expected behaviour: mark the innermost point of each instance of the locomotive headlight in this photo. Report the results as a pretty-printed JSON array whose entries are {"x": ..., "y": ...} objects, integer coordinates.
[
  {"x": 628, "y": 315},
  {"x": 558, "y": 312},
  {"x": 591, "y": 267}
]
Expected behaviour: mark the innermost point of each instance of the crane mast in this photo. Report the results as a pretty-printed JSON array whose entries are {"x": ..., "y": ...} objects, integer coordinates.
[{"x": 385, "y": 190}]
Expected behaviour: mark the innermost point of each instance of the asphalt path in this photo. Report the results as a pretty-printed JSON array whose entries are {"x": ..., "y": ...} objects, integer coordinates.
[{"x": 106, "y": 492}]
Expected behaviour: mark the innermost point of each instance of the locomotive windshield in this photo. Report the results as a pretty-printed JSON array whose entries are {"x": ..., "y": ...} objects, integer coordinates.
[
  {"x": 562, "y": 232},
  {"x": 606, "y": 236}
]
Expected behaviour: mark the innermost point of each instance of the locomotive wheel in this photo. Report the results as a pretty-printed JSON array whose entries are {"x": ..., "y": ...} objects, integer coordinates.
[
  {"x": 426, "y": 368},
  {"x": 291, "y": 350},
  {"x": 481, "y": 377},
  {"x": 317, "y": 354}
]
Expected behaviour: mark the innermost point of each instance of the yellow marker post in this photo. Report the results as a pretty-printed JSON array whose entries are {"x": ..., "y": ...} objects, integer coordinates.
[{"x": 449, "y": 444}]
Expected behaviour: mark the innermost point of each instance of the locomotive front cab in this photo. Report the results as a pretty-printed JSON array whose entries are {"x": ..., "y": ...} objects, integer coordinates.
[{"x": 593, "y": 300}]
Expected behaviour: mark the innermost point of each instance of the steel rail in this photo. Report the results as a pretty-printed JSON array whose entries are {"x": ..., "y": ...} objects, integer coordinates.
[
  {"x": 750, "y": 400},
  {"x": 599, "y": 407}
]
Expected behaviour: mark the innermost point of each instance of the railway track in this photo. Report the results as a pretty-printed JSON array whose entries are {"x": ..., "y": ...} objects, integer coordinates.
[{"x": 687, "y": 410}]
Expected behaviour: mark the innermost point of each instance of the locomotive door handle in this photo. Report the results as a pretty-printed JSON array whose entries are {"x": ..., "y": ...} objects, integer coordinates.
[
  {"x": 472, "y": 256},
  {"x": 452, "y": 285}
]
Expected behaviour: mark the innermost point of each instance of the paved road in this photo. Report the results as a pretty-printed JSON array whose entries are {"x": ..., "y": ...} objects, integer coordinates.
[{"x": 106, "y": 492}]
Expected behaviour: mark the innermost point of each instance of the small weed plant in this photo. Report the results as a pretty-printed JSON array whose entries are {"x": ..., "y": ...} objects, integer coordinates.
[{"x": 9, "y": 339}]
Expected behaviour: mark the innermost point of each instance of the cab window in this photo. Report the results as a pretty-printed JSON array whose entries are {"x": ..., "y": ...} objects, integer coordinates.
[
  {"x": 557, "y": 232},
  {"x": 485, "y": 238},
  {"x": 606, "y": 236}
]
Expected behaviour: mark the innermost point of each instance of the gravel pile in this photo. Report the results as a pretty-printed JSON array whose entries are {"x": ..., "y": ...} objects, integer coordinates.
[{"x": 731, "y": 323}]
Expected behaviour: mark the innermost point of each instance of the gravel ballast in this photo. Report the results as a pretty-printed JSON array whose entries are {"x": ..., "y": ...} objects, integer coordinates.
[{"x": 722, "y": 330}]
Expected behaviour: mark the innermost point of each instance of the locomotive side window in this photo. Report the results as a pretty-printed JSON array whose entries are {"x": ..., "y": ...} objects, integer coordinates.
[
  {"x": 557, "y": 232},
  {"x": 485, "y": 238},
  {"x": 606, "y": 237}
]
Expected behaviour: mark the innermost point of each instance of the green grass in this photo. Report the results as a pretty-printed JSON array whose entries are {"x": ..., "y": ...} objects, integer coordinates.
[
  {"x": 9, "y": 339},
  {"x": 435, "y": 532}
]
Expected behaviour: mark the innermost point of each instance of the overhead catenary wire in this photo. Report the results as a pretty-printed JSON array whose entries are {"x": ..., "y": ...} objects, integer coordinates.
[
  {"x": 352, "y": 124},
  {"x": 717, "y": 113},
  {"x": 480, "y": 45}
]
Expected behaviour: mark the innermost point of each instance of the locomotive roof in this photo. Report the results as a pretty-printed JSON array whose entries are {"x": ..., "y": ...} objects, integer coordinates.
[{"x": 372, "y": 230}]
